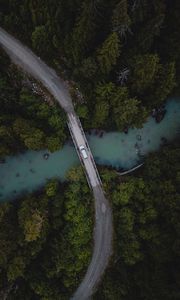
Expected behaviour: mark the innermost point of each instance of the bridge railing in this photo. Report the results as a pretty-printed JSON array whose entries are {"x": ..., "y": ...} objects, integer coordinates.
[
  {"x": 80, "y": 158},
  {"x": 87, "y": 145}
]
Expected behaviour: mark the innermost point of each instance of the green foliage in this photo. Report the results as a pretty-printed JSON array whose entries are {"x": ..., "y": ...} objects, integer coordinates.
[
  {"x": 16, "y": 268},
  {"x": 33, "y": 226},
  {"x": 82, "y": 111},
  {"x": 166, "y": 81},
  {"x": 127, "y": 111},
  {"x": 120, "y": 19},
  {"x": 45, "y": 239},
  {"x": 51, "y": 188},
  {"x": 145, "y": 69},
  {"x": 40, "y": 39},
  {"x": 101, "y": 113},
  {"x": 33, "y": 219},
  {"x": 78, "y": 228},
  {"x": 93, "y": 42},
  {"x": 149, "y": 75},
  {"x": 114, "y": 103},
  {"x": 33, "y": 138},
  {"x": 109, "y": 52},
  {"x": 35, "y": 141},
  {"x": 88, "y": 68},
  {"x": 83, "y": 32},
  {"x": 53, "y": 143},
  {"x": 23, "y": 118},
  {"x": 147, "y": 231}
]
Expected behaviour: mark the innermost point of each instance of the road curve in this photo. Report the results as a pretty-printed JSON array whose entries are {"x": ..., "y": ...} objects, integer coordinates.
[
  {"x": 28, "y": 61},
  {"x": 102, "y": 247},
  {"x": 103, "y": 216},
  {"x": 25, "y": 58}
]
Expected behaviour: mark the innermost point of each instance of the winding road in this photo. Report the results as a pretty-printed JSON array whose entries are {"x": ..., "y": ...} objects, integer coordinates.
[{"x": 103, "y": 229}]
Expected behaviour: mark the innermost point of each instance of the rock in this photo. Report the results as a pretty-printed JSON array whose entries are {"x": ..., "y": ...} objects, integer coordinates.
[
  {"x": 125, "y": 130},
  {"x": 46, "y": 155},
  {"x": 160, "y": 115},
  {"x": 101, "y": 134},
  {"x": 136, "y": 146},
  {"x": 164, "y": 140},
  {"x": 138, "y": 136},
  {"x": 159, "y": 118}
]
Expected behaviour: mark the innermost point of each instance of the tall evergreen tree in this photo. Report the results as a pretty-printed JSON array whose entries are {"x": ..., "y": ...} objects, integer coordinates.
[{"x": 108, "y": 53}]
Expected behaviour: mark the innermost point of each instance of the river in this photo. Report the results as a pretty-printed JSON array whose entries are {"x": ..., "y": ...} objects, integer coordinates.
[{"x": 29, "y": 171}]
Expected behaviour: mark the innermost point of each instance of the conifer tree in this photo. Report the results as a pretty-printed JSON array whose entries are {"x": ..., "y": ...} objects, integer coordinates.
[{"x": 109, "y": 52}]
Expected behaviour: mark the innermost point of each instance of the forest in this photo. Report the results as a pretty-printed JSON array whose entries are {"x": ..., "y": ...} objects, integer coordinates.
[
  {"x": 122, "y": 55},
  {"x": 146, "y": 206},
  {"x": 124, "y": 58},
  {"x": 26, "y": 120},
  {"x": 46, "y": 240}
]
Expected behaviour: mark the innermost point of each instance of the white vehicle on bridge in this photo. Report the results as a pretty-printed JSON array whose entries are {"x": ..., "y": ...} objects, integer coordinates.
[{"x": 83, "y": 151}]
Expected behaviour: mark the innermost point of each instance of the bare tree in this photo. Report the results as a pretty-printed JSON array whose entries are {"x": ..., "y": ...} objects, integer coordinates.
[
  {"x": 123, "y": 76},
  {"x": 121, "y": 21},
  {"x": 122, "y": 30},
  {"x": 135, "y": 5}
]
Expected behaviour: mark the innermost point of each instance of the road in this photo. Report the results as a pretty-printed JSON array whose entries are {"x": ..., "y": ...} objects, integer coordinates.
[
  {"x": 30, "y": 63},
  {"x": 103, "y": 217},
  {"x": 24, "y": 57},
  {"x": 79, "y": 139}
]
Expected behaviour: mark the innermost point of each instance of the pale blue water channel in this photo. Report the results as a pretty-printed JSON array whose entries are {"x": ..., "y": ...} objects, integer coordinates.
[{"x": 29, "y": 171}]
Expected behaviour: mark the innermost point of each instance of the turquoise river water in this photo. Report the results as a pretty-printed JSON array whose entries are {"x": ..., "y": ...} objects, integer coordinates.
[{"x": 29, "y": 171}]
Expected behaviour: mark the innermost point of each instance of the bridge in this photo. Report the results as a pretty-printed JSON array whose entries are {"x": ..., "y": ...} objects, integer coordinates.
[
  {"x": 29, "y": 62},
  {"x": 103, "y": 216},
  {"x": 79, "y": 138}
]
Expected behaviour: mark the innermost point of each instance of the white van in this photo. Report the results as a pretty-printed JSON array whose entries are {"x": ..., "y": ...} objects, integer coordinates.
[{"x": 83, "y": 151}]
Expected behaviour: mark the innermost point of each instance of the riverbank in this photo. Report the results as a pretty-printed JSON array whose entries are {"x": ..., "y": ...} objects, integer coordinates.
[{"x": 30, "y": 170}]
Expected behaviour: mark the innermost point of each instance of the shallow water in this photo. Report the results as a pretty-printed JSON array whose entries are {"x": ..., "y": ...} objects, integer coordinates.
[
  {"x": 27, "y": 172},
  {"x": 124, "y": 150}
]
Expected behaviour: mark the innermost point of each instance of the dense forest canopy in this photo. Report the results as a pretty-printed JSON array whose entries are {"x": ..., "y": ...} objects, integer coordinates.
[
  {"x": 26, "y": 120},
  {"x": 45, "y": 237},
  {"x": 124, "y": 56},
  {"x": 45, "y": 240},
  {"x": 146, "y": 206},
  {"x": 120, "y": 53}
]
